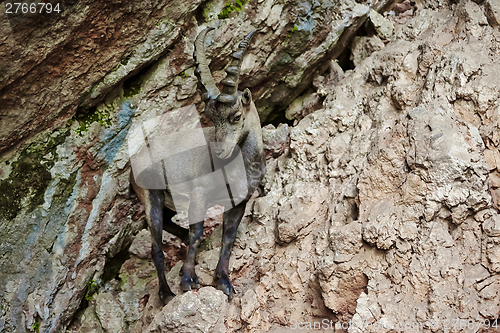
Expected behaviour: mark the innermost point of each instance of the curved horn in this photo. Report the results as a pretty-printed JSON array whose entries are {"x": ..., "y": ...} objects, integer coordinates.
[
  {"x": 230, "y": 82},
  {"x": 206, "y": 81}
]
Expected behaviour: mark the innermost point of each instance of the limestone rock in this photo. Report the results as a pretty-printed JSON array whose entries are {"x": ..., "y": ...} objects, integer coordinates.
[
  {"x": 275, "y": 140},
  {"x": 105, "y": 55},
  {"x": 493, "y": 12},
  {"x": 141, "y": 246},
  {"x": 249, "y": 305},
  {"x": 201, "y": 311},
  {"x": 110, "y": 314},
  {"x": 383, "y": 26},
  {"x": 363, "y": 46},
  {"x": 303, "y": 105},
  {"x": 297, "y": 213},
  {"x": 89, "y": 322},
  {"x": 492, "y": 226},
  {"x": 66, "y": 204}
]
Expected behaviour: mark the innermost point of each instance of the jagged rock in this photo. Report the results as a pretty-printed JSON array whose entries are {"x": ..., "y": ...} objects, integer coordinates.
[
  {"x": 492, "y": 158},
  {"x": 305, "y": 205},
  {"x": 275, "y": 140},
  {"x": 141, "y": 246},
  {"x": 303, "y": 105},
  {"x": 89, "y": 322},
  {"x": 495, "y": 179},
  {"x": 363, "y": 46},
  {"x": 200, "y": 311},
  {"x": 492, "y": 226},
  {"x": 110, "y": 314},
  {"x": 346, "y": 242},
  {"x": 493, "y": 12},
  {"x": 402, "y": 7},
  {"x": 383, "y": 26},
  {"x": 324, "y": 83},
  {"x": 249, "y": 305}
]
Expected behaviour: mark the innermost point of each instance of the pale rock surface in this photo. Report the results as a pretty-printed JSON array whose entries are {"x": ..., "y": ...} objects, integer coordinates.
[
  {"x": 193, "y": 312},
  {"x": 276, "y": 140},
  {"x": 109, "y": 312},
  {"x": 363, "y": 46},
  {"x": 383, "y": 26}
]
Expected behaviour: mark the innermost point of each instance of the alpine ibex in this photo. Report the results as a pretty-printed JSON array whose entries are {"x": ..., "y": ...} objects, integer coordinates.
[{"x": 236, "y": 131}]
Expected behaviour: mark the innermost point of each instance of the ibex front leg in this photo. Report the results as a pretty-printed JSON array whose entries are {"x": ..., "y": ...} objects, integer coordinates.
[
  {"x": 154, "y": 217},
  {"x": 196, "y": 215},
  {"x": 232, "y": 219}
]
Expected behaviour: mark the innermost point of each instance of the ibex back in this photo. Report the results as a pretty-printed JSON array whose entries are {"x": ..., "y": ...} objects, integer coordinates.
[{"x": 236, "y": 131}]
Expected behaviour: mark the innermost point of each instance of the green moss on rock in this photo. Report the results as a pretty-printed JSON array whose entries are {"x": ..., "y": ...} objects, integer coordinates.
[
  {"x": 86, "y": 119},
  {"x": 29, "y": 176},
  {"x": 230, "y": 7}
]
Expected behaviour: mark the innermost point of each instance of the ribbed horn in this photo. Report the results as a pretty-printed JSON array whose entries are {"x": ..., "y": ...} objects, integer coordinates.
[
  {"x": 206, "y": 82},
  {"x": 230, "y": 82}
]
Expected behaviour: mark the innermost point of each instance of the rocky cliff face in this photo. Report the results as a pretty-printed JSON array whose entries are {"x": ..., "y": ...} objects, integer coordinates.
[{"x": 381, "y": 202}]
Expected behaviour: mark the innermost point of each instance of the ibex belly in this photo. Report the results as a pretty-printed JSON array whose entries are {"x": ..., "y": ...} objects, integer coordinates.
[{"x": 225, "y": 184}]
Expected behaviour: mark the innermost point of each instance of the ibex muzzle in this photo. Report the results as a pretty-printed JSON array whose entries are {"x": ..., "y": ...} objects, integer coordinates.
[{"x": 236, "y": 136}]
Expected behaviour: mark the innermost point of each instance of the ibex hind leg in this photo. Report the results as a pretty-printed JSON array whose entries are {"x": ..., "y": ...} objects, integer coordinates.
[
  {"x": 154, "y": 216},
  {"x": 232, "y": 219}
]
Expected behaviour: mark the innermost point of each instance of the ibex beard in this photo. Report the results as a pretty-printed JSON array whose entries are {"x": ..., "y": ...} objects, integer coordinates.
[{"x": 226, "y": 171}]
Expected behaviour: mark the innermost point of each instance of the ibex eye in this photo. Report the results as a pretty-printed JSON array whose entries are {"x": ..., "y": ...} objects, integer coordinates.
[{"x": 237, "y": 118}]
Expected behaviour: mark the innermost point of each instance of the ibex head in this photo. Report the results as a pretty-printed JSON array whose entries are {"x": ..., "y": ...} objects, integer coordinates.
[{"x": 229, "y": 108}]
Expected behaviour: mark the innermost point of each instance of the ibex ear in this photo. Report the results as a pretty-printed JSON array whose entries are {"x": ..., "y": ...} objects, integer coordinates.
[{"x": 246, "y": 97}]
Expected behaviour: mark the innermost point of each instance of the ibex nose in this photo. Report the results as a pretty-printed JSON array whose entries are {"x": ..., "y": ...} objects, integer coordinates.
[
  {"x": 221, "y": 149},
  {"x": 218, "y": 148}
]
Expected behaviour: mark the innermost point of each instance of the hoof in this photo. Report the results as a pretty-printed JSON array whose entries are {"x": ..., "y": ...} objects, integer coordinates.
[
  {"x": 189, "y": 282},
  {"x": 227, "y": 288}
]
